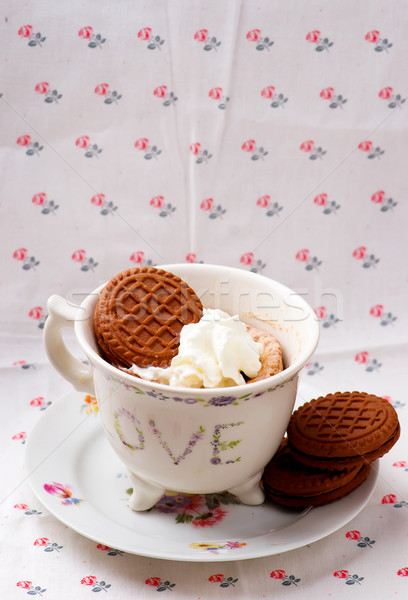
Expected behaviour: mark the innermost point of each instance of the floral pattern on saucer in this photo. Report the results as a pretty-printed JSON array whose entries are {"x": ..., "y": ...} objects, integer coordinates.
[{"x": 57, "y": 489}]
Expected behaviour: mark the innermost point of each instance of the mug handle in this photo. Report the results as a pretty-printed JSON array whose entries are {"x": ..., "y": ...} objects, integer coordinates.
[{"x": 61, "y": 315}]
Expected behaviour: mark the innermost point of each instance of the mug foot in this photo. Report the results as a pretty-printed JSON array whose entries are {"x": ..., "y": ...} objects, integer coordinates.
[
  {"x": 250, "y": 492},
  {"x": 145, "y": 493}
]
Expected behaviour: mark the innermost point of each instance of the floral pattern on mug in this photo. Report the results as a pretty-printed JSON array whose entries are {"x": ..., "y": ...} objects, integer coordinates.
[
  {"x": 349, "y": 579},
  {"x": 84, "y": 142},
  {"x": 378, "y": 312},
  {"x": 62, "y": 491},
  {"x": 168, "y": 97},
  {"x": 362, "y": 542},
  {"x": 150, "y": 151},
  {"x": 166, "y": 210},
  {"x": 273, "y": 208},
  {"x": 286, "y": 580},
  {"x": 393, "y": 100},
  {"x": 337, "y": 100},
  {"x": 48, "y": 206},
  {"x": 270, "y": 93},
  {"x": 256, "y": 153},
  {"x": 28, "y": 262},
  {"x": 386, "y": 203},
  {"x": 201, "y": 156},
  {"x": 161, "y": 586},
  {"x": 139, "y": 259},
  {"x": 315, "y": 151},
  {"x": 94, "y": 40},
  {"x": 248, "y": 259},
  {"x": 326, "y": 320},
  {"x": 107, "y": 208},
  {"x": 36, "y": 590},
  {"x": 109, "y": 97},
  {"x": 374, "y": 37},
  {"x": 31, "y": 147},
  {"x": 146, "y": 35},
  {"x": 50, "y": 96},
  {"x": 37, "y": 313},
  {"x": 207, "y": 205},
  {"x": 86, "y": 263},
  {"x": 218, "y": 95},
  {"x": 368, "y": 146},
  {"x": 34, "y": 39},
  {"x": 97, "y": 586},
  {"x": 322, "y": 43},
  {"x": 369, "y": 260},
  {"x": 371, "y": 364},
  {"x": 262, "y": 43},
  {"x": 328, "y": 207},
  {"x": 46, "y": 545},
  {"x": 209, "y": 42},
  {"x": 311, "y": 262},
  {"x": 222, "y": 580}
]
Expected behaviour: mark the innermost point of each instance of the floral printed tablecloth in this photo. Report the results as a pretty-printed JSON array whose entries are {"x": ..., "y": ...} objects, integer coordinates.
[{"x": 264, "y": 135}]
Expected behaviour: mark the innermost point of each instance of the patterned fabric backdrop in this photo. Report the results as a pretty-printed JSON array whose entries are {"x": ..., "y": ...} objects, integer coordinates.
[{"x": 264, "y": 135}]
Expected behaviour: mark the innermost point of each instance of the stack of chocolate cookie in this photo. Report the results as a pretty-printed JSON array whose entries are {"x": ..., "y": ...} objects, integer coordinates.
[{"x": 330, "y": 445}]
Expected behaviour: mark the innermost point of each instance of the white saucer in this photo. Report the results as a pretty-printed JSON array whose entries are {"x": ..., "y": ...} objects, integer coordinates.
[{"x": 68, "y": 447}]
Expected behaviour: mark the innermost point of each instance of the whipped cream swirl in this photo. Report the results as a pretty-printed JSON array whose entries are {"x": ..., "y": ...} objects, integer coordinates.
[{"x": 213, "y": 353}]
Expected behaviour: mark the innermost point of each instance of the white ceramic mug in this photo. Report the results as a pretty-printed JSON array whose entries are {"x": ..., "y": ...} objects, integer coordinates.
[{"x": 194, "y": 440}]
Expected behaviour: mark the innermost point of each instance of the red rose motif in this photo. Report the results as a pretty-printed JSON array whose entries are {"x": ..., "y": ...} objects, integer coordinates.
[
  {"x": 278, "y": 574},
  {"x": 201, "y": 35},
  {"x": 372, "y": 36},
  {"x": 321, "y": 199},
  {"x": 327, "y": 93},
  {"x": 39, "y": 199},
  {"x": 25, "y": 585},
  {"x": 42, "y": 88},
  {"x": 21, "y": 506},
  {"x": 41, "y": 541},
  {"x": 19, "y": 436},
  {"x": 98, "y": 199},
  {"x": 263, "y": 201},
  {"x": 37, "y": 401},
  {"x": 25, "y": 31},
  {"x": 353, "y": 535},
  {"x": 268, "y": 92},
  {"x": 313, "y": 36},
  {"x": 341, "y": 574},
  {"x": 253, "y": 35},
  {"x": 400, "y": 463},
  {"x": 160, "y": 91},
  {"x": 216, "y": 578},
  {"x": 215, "y": 93},
  {"x": 20, "y": 254},
  {"x": 307, "y": 146},
  {"x": 403, "y": 572},
  {"x": 320, "y": 312},
  {"x": 157, "y": 201},
  {"x": 207, "y": 204},
  {"x": 361, "y": 358},
  {"x": 89, "y": 580},
  {"x": 191, "y": 257},
  {"x": 365, "y": 146},
  {"x": 195, "y": 148},
  {"x": 378, "y": 197},
  {"x": 377, "y": 310},
  {"x": 141, "y": 144},
  {"x": 144, "y": 34},
  {"x": 388, "y": 398},
  {"x": 137, "y": 257},
  {"x": 247, "y": 258},
  {"x": 36, "y": 312},
  {"x": 24, "y": 140},
  {"x": 102, "y": 89},
  {"x": 389, "y": 499},
  {"x": 102, "y": 547},
  {"x": 78, "y": 255},
  {"x": 385, "y": 93},
  {"x": 154, "y": 581},
  {"x": 248, "y": 146},
  {"x": 82, "y": 142},
  {"x": 360, "y": 252},
  {"x": 302, "y": 255},
  {"x": 85, "y": 32}
]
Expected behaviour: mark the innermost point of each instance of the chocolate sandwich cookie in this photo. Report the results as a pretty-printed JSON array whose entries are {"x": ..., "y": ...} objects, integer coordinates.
[
  {"x": 140, "y": 314},
  {"x": 289, "y": 483},
  {"x": 352, "y": 427}
]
